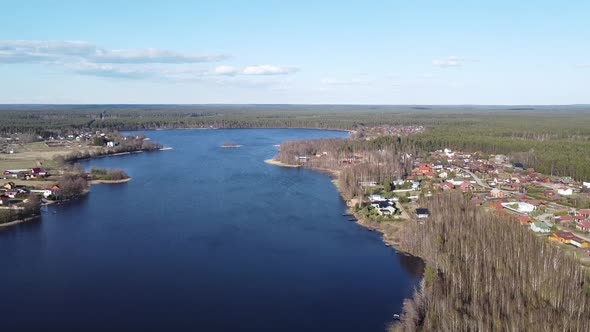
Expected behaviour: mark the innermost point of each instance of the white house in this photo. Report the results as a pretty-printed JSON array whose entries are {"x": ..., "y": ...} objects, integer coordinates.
[
  {"x": 586, "y": 184},
  {"x": 455, "y": 182},
  {"x": 373, "y": 198},
  {"x": 449, "y": 152},
  {"x": 46, "y": 192},
  {"x": 387, "y": 211},
  {"x": 565, "y": 191},
  {"x": 540, "y": 227},
  {"x": 520, "y": 207}
]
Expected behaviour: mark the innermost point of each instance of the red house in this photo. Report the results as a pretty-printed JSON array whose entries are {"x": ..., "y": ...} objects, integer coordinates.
[
  {"x": 584, "y": 226},
  {"x": 566, "y": 219},
  {"x": 584, "y": 213},
  {"x": 38, "y": 171},
  {"x": 524, "y": 220}
]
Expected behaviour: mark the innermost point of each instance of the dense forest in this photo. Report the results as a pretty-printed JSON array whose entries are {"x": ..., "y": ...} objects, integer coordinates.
[
  {"x": 552, "y": 139},
  {"x": 487, "y": 273},
  {"x": 382, "y": 160}
]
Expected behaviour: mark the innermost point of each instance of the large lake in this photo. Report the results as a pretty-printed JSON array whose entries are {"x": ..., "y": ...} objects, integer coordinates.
[{"x": 203, "y": 239}]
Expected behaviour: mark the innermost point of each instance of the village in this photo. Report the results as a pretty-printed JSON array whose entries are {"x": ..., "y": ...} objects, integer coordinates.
[
  {"x": 44, "y": 166},
  {"x": 555, "y": 208}
]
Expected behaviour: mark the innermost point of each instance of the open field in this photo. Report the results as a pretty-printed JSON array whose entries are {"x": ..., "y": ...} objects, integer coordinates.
[{"x": 36, "y": 154}]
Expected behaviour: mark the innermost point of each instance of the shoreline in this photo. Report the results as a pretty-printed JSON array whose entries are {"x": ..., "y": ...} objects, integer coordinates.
[
  {"x": 350, "y": 131},
  {"x": 19, "y": 221},
  {"x": 280, "y": 164},
  {"x": 389, "y": 239},
  {"x": 90, "y": 183},
  {"x": 93, "y": 182}
]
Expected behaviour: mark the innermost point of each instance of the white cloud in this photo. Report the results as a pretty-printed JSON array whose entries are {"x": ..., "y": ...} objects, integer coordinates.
[
  {"x": 135, "y": 71},
  {"x": 354, "y": 81},
  {"x": 151, "y": 55},
  {"x": 107, "y": 70},
  {"x": 226, "y": 70},
  {"x": 451, "y": 61},
  {"x": 14, "y": 51},
  {"x": 254, "y": 70},
  {"x": 87, "y": 59},
  {"x": 268, "y": 70}
]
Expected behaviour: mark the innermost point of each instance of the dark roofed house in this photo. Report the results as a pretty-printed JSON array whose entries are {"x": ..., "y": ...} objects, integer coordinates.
[
  {"x": 518, "y": 166},
  {"x": 4, "y": 199},
  {"x": 38, "y": 171},
  {"x": 422, "y": 213}
]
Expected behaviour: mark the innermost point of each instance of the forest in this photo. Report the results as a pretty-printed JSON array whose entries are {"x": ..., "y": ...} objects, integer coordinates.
[
  {"x": 487, "y": 273},
  {"x": 552, "y": 139}
]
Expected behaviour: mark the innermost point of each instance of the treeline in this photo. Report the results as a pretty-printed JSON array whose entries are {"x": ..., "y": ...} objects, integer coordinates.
[
  {"x": 72, "y": 186},
  {"x": 380, "y": 160},
  {"x": 134, "y": 146},
  {"x": 487, "y": 273},
  {"x": 109, "y": 175},
  {"x": 31, "y": 208},
  {"x": 536, "y": 123},
  {"x": 552, "y": 139}
]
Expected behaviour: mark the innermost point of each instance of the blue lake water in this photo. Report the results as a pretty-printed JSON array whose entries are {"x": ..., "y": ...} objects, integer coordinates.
[{"x": 202, "y": 239}]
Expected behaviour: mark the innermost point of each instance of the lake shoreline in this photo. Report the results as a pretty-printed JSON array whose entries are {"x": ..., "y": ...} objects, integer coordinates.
[
  {"x": 350, "y": 131},
  {"x": 19, "y": 221},
  {"x": 95, "y": 182},
  {"x": 90, "y": 183},
  {"x": 389, "y": 232}
]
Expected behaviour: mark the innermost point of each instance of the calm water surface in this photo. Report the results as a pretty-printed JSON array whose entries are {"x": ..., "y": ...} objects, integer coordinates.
[{"x": 202, "y": 239}]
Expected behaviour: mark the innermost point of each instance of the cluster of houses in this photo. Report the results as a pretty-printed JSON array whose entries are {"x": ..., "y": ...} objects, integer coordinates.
[
  {"x": 507, "y": 187},
  {"x": 11, "y": 194},
  {"x": 579, "y": 219},
  {"x": 25, "y": 174},
  {"x": 569, "y": 238},
  {"x": 450, "y": 170},
  {"x": 443, "y": 177}
]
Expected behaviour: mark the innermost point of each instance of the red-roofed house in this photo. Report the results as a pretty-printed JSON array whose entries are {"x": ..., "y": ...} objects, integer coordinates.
[
  {"x": 584, "y": 213},
  {"x": 568, "y": 238},
  {"x": 566, "y": 219},
  {"x": 466, "y": 186},
  {"x": 524, "y": 220},
  {"x": 38, "y": 171},
  {"x": 584, "y": 226},
  {"x": 4, "y": 199}
]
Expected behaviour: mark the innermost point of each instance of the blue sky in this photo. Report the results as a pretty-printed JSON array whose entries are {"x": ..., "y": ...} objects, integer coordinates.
[{"x": 300, "y": 52}]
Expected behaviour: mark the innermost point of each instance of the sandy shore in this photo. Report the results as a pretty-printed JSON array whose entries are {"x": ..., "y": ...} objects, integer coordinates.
[
  {"x": 278, "y": 163},
  {"x": 16, "y": 222},
  {"x": 110, "y": 181}
]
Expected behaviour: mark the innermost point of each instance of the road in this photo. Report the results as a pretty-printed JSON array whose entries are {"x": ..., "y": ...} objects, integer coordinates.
[
  {"x": 479, "y": 181},
  {"x": 548, "y": 219}
]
